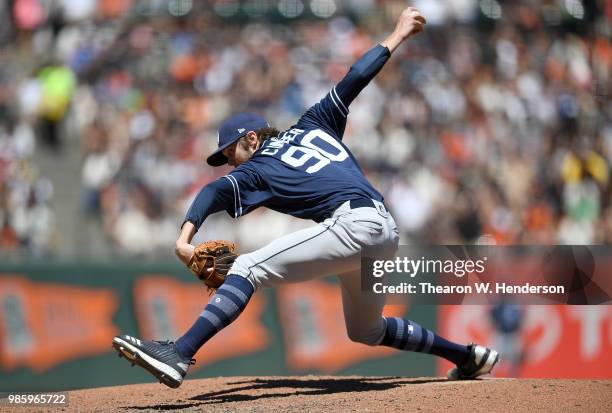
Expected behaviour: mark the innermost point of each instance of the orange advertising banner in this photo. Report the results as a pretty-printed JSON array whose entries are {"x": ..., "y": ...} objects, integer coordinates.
[
  {"x": 166, "y": 308},
  {"x": 315, "y": 334},
  {"x": 45, "y": 324},
  {"x": 553, "y": 340}
]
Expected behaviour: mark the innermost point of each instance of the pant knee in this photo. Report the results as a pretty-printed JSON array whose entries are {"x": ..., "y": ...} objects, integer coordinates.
[{"x": 241, "y": 268}]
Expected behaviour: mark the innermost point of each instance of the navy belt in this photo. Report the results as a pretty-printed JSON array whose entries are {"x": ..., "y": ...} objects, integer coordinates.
[{"x": 362, "y": 203}]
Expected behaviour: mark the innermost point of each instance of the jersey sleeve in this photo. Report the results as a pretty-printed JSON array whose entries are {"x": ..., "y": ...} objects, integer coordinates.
[
  {"x": 246, "y": 186},
  {"x": 232, "y": 193},
  {"x": 214, "y": 197},
  {"x": 330, "y": 113}
]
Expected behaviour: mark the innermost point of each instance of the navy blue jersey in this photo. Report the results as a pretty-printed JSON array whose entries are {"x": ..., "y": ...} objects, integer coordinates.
[{"x": 307, "y": 171}]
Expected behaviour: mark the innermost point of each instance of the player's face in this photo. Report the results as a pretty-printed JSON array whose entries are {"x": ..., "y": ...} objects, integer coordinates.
[
  {"x": 230, "y": 152},
  {"x": 241, "y": 151}
]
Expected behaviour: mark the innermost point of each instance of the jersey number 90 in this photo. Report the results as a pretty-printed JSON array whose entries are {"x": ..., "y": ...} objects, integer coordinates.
[{"x": 297, "y": 156}]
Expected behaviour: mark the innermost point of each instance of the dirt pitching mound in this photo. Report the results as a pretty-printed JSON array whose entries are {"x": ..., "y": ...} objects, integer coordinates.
[{"x": 375, "y": 394}]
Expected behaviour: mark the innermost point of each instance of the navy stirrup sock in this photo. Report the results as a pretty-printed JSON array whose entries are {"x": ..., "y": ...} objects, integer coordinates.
[
  {"x": 223, "y": 308},
  {"x": 408, "y": 335}
]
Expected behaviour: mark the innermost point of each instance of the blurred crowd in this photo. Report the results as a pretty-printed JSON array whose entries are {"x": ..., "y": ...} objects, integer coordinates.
[{"x": 494, "y": 125}]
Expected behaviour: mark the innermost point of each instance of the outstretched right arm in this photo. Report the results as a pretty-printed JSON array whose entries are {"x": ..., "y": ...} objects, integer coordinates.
[
  {"x": 363, "y": 71},
  {"x": 331, "y": 112},
  {"x": 410, "y": 22}
]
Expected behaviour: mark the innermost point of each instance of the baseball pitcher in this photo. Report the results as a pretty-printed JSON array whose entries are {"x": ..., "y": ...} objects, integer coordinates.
[{"x": 307, "y": 172}]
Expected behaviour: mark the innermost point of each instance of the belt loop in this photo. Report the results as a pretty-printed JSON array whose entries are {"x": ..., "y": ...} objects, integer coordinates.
[{"x": 380, "y": 207}]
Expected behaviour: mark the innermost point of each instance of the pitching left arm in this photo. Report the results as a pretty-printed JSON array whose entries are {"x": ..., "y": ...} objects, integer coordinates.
[
  {"x": 214, "y": 197},
  {"x": 183, "y": 248}
]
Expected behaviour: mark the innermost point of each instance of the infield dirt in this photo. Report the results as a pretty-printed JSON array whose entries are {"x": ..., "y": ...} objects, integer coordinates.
[{"x": 360, "y": 394}]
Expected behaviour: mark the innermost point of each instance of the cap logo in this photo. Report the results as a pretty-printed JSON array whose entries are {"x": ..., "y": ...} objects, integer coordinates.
[
  {"x": 217, "y": 139},
  {"x": 241, "y": 130}
]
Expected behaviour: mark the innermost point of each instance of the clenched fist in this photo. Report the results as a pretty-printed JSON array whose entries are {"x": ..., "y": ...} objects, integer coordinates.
[{"x": 409, "y": 23}]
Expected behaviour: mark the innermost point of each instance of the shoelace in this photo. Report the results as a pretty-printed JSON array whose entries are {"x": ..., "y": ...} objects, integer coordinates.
[{"x": 167, "y": 343}]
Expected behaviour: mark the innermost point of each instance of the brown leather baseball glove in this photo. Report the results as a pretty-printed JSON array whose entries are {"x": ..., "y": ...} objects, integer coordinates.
[{"x": 216, "y": 255}]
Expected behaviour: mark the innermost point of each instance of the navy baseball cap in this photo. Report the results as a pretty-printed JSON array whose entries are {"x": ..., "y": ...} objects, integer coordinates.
[{"x": 232, "y": 129}]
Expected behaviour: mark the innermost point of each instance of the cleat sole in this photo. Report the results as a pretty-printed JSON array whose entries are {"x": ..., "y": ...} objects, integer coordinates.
[{"x": 137, "y": 359}]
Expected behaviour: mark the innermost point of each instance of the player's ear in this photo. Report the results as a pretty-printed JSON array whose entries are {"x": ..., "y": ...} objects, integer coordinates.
[{"x": 251, "y": 138}]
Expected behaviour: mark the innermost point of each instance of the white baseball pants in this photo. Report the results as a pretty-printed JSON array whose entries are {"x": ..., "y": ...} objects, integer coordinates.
[{"x": 331, "y": 247}]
